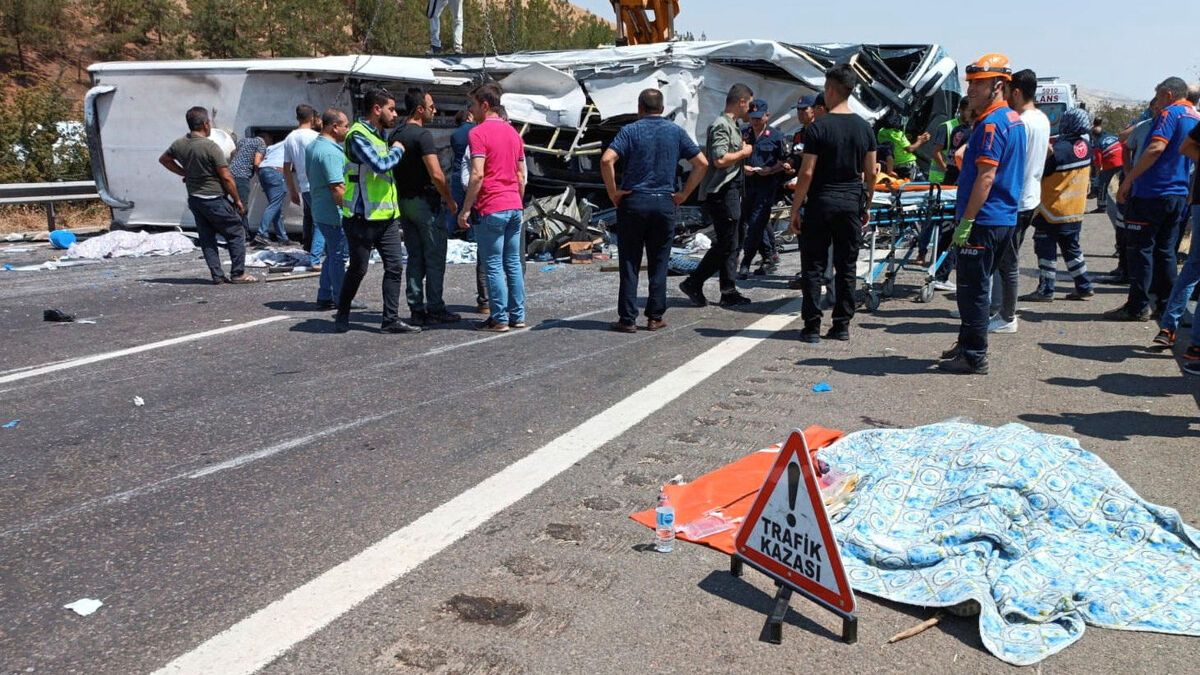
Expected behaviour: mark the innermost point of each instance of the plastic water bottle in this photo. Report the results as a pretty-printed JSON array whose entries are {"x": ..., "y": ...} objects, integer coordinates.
[{"x": 664, "y": 524}]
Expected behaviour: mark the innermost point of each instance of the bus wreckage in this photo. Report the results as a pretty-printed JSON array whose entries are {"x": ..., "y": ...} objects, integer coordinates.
[{"x": 567, "y": 105}]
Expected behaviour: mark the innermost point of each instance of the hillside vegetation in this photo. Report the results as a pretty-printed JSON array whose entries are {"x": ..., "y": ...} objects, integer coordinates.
[{"x": 46, "y": 46}]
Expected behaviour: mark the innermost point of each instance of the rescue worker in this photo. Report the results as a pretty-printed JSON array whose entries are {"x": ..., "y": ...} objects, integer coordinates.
[
  {"x": 1155, "y": 192},
  {"x": 944, "y": 172},
  {"x": 989, "y": 194},
  {"x": 765, "y": 170},
  {"x": 1059, "y": 217},
  {"x": 370, "y": 210}
]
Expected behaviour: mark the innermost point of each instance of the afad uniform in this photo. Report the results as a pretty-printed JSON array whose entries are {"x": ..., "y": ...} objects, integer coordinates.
[
  {"x": 998, "y": 139},
  {"x": 1108, "y": 152},
  {"x": 1059, "y": 217}
]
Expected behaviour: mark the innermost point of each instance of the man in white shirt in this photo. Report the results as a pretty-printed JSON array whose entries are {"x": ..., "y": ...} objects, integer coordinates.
[
  {"x": 1021, "y": 96},
  {"x": 306, "y": 131},
  {"x": 270, "y": 177}
]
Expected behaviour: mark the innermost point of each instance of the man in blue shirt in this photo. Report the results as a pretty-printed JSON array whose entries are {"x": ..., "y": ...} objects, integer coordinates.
[
  {"x": 650, "y": 150},
  {"x": 989, "y": 194},
  {"x": 765, "y": 171},
  {"x": 1155, "y": 193},
  {"x": 325, "y": 166}
]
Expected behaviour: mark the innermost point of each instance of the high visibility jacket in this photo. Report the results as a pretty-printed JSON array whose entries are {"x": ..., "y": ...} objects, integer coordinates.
[
  {"x": 378, "y": 190},
  {"x": 1065, "y": 182},
  {"x": 936, "y": 175}
]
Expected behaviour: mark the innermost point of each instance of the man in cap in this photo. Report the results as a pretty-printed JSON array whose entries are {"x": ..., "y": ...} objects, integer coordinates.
[
  {"x": 764, "y": 175},
  {"x": 989, "y": 195}
]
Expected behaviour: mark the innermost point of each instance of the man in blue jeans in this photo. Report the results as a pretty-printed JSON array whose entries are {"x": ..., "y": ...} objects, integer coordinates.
[
  {"x": 325, "y": 167},
  {"x": 991, "y": 179},
  {"x": 651, "y": 149},
  {"x": 496, "y": 190},
  {"x": 1189, "y": 275},
  {"x": 1156, "y": 193},
  {"x": 270, "y": 176}
]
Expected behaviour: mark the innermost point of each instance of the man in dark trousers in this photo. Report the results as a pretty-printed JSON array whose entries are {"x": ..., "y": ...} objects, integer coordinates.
[
  {"x": 989, "y": 196},
  {"x": 721, "y": 194},
  {"x": 370, "y": 210},
  {"x": 651, "y": 149},
  {"x": 423, "y": 192},
  {"x": 835, "y": 183},
  {"x": 212, "y": 197},
  {"x": 765, "y": 172}
]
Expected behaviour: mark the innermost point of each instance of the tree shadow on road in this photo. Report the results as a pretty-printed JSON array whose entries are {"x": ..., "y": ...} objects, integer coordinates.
[
  {"x": 1129, "y": 384},
  {"x": 740, "y": 592},
  {"x": 874, "y": 366},
  {"x": 180, "y": 281},
  {"x": 911, "y": 328},
  {"x": 1121, "y": 425},
  {"x": 1102, "y": 353}
]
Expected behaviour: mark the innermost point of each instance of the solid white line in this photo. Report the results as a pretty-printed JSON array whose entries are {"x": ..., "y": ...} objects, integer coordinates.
[
  {"x": 258, "y": 639},
  {"x": 96, "y": 358}
]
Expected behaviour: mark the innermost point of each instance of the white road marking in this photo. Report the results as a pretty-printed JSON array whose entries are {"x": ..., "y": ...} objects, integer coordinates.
[
  {"x": 96, "y": 358},
  {"x": 258, "y": 639}
]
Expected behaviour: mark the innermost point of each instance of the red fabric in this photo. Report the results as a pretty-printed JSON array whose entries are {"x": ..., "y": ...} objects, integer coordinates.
[{"x": 731, "y": 488}]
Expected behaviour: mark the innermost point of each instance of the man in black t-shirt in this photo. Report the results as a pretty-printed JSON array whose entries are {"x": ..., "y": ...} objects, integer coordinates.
[
  {"x": 422, "y": 190},
  {"x": 835, "y": 183}
]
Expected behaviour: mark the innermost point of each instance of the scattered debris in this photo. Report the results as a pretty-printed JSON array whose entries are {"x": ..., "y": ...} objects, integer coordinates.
[
  {"x": 822, "y": 387},
  {"x": 915, "y": 630},
  {"x": 460, "y": 252},
  {"x": 280, "y": 257},
  {"x": 139, "y": 401},
  {"x": 549, "y": 268},
  {"x": 287, "y": 277},
  {"x": 122, "y": 243},
  {"x": 12, "y": 425},
  {"x": 57, "y": 316},
  {"x": 84, "y": 606},
  {"x": 62, "y": 239},
  {"x": 16, "y": 249}
]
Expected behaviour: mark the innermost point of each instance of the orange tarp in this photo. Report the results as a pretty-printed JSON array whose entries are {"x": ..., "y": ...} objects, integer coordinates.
[{"x": 731, "y": 488}]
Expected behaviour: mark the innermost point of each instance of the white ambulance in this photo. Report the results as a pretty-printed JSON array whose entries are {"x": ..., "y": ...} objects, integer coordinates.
[{"x": 1054, "y": 97}]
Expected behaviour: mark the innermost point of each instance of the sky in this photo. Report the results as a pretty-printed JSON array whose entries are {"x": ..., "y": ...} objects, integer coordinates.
[{"x": 1125, "y": 48}]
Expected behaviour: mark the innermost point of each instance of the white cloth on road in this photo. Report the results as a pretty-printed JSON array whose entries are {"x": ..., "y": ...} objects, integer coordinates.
[{"x": 122, "y": 244}]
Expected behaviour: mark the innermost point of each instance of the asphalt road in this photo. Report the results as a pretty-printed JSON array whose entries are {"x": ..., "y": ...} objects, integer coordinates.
[{"x": 271, "y": 453}]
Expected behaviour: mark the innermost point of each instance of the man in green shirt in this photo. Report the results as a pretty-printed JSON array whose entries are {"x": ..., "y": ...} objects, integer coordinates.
[
  {"x": 212, "y": 196},
  {"x": 905, "y": 161},
  {"x": 721, "y": 195}
]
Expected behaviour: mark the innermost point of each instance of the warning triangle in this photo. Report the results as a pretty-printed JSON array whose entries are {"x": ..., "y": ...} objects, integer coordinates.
[{"x": 787, "y": 533}]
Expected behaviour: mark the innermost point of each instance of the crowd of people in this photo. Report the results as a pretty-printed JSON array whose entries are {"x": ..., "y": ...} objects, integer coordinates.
[{"x": 364, "y": 189}]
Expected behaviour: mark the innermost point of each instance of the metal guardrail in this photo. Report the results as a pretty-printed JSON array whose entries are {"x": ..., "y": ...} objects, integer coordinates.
[{"x": 47, "y": 194}]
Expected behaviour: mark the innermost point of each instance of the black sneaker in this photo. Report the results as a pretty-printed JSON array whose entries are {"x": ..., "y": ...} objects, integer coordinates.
[
  {"x": 399, "y": 326},
  {"x": 1191, "y": 368},
  {"x": 1037, "y": 296},
  {"x": 733, "y": 299},
  {"x": 811, "y": 334},
  {"x": 951, "y": 353},
  {"x": 341, "y": 323},
  {"x": 1123, "y": 313},
  {"x": 694, "y": 294},
  {"x": 444, "y": 317},
  {"x": 1165, "y": 338},
  {"x": 760, "y": 271},
  {"x": 744, "y": 273},
  {"x": 325, "y": 305},
  {"x": 838, "y": 332},
  {"x": 1081, "y": 295},
  {"x": 419, "y": 318},
  {"x": 959, "y": 365},
  {"x": 796, "y": 283}
]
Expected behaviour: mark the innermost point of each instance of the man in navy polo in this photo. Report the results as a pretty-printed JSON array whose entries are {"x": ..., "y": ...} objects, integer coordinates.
[
  {"x": 765, "y": 172},
  {"x": 650, "y": 149},
  {"x": 1155, "y": 196},
  {"x": 989, "y": 193}
]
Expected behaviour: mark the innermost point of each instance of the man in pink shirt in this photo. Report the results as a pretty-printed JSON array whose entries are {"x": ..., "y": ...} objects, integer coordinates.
[{"x": 496, "y": 191}]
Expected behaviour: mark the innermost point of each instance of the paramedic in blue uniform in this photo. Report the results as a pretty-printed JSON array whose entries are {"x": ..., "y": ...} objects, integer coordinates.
[
  {"x": 765, "y": 171},
  {"x": 989, "y": 192}
]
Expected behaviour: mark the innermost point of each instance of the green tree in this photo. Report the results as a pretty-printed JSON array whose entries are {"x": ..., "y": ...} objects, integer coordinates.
[
  {"x": 31, "y": 25},
  {"x": 39, "y": 140},
  {"x": 221, "y": 29}
]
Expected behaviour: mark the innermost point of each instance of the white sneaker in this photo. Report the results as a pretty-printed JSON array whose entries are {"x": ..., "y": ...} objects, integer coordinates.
[
  {"x": 947, "y": 286},
  {"x": 999, "y": 325}
]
